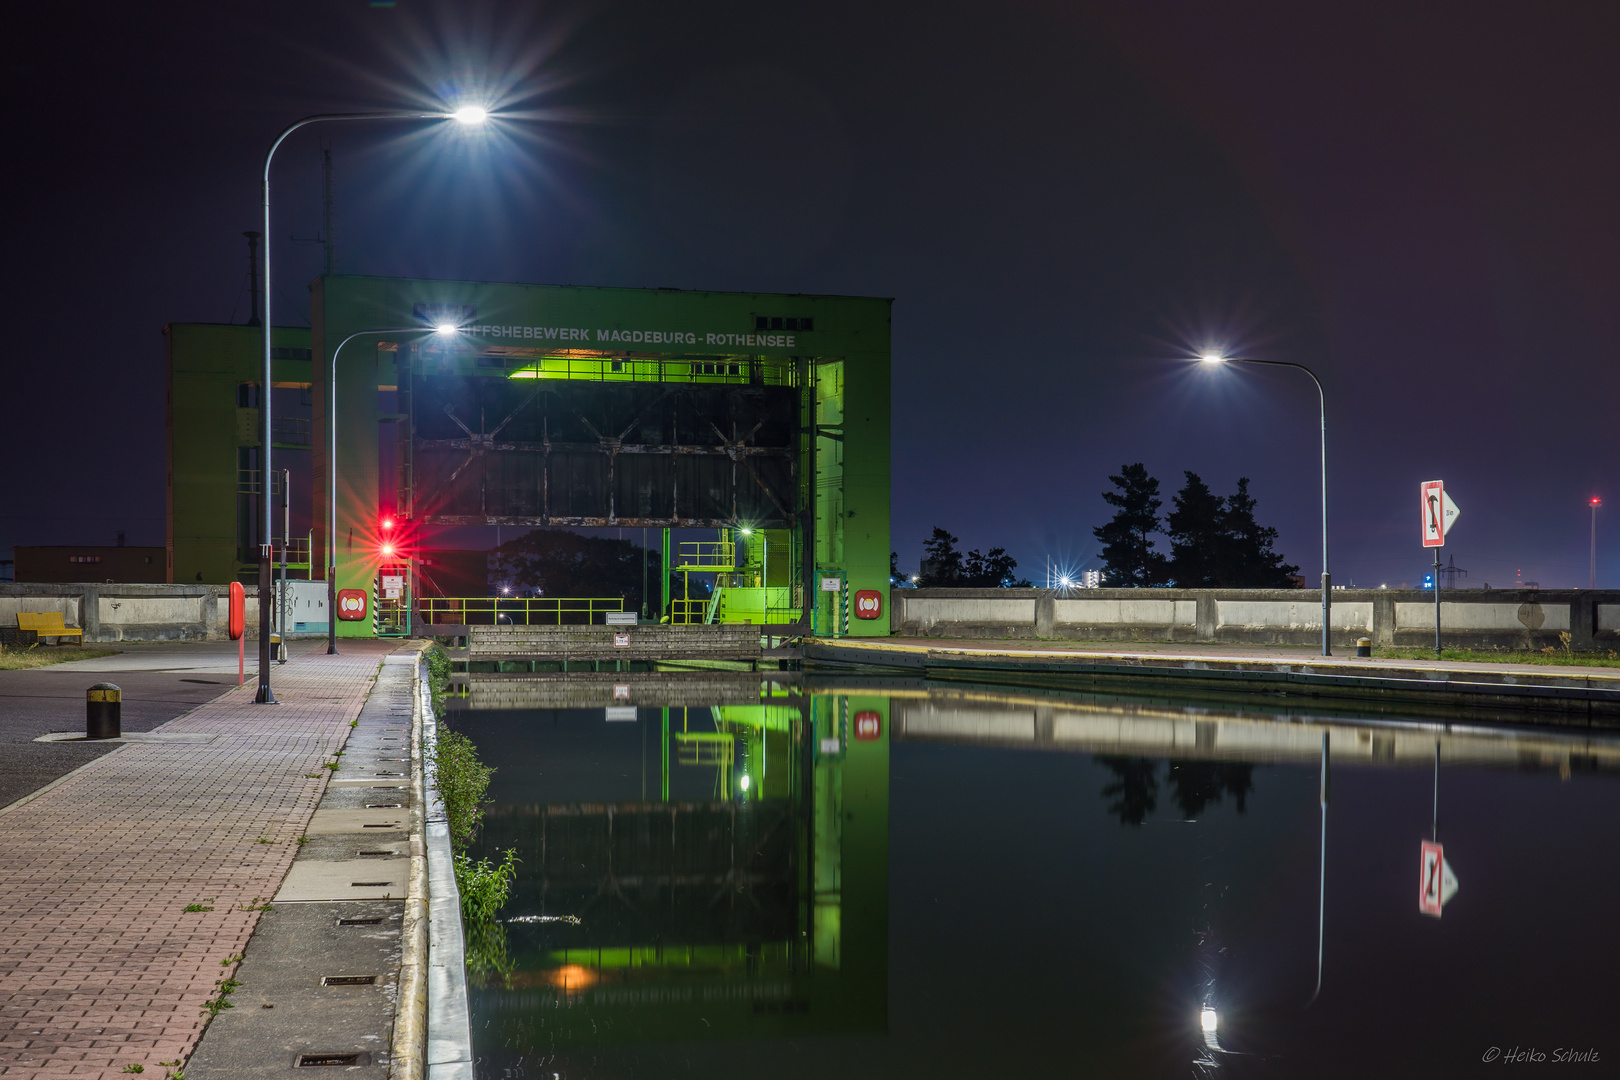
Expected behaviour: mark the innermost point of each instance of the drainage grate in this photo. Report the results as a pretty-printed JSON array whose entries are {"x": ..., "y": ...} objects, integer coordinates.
[
  {"x": 312, "y": 1060},
  {"x": 360, "y": 922},
  {"x": 369, "y": 884},
  {"x": 390, "y": 851},
  {"x": 349, "y": 980},
  {"x": 385, "y": 806},
  {"x": 391, "y": 825}
]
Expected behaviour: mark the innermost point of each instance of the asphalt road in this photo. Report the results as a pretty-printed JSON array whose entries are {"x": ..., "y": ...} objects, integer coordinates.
[{"x": 159, "y": 682}]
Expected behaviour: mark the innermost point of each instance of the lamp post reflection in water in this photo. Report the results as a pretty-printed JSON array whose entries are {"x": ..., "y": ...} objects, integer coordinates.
[{"x": 1321, "y": 889}]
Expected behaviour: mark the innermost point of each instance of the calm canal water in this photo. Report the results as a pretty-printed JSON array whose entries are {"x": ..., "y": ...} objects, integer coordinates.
[{"x": 915, "y": 881}]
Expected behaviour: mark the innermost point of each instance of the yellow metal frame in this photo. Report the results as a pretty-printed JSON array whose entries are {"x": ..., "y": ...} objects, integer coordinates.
[{"x": 522, "y": 610}]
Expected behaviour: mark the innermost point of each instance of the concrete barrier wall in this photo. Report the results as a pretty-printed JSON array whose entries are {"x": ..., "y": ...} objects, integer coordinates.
[
  {"x": 1470, "y": 618},
  {"x": 132, "y": 612}
]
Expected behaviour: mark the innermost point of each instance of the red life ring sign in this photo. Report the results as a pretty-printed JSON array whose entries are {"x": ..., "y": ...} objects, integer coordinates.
[
  {"x": 868, "y": 726},
  {"x": 351, "y": 604},
  {"x": 236, "y": 617},
  {"x": 868, "y": 604}
]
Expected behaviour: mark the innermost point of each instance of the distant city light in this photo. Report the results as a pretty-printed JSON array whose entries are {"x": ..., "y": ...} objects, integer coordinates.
[{"x": 471, "y": 115}]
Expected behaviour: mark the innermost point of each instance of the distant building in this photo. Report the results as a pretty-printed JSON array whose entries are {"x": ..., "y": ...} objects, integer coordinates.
[{"x": 124, "y": 565}]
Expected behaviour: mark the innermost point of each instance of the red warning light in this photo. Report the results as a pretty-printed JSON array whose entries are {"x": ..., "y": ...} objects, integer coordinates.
[
  {"x": 388, "y": 523},
  {"x": 1596, "y": 501},
  {"x": 388, "y": 549}
]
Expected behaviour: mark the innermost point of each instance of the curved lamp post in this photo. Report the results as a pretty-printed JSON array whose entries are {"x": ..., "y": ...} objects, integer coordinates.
[
  {"x": 331, "y": 472},
  {"x": 1327, "y": 577},
  {"x": 471, "y": 115}
]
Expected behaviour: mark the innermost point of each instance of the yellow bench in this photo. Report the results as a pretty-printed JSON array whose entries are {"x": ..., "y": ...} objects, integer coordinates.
[{"x": 48, "y": 624}]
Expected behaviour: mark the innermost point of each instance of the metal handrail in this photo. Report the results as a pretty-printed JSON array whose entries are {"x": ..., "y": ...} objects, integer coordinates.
[
  {"x": 516, "y": 610},
  {"x": 710, "y": 555}
]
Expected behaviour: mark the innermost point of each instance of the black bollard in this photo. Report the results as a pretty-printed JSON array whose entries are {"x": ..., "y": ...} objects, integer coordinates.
[
  {"x": 1364, "y": 646},
  {"x": 103, "y": 712}
]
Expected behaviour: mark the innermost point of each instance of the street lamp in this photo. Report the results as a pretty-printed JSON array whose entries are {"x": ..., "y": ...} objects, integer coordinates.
[
  {"x": 1327, "y": 577},
  {"x": 1594, "y": 502},
  {"x": 470, "y": 115},
  {"x": 331, "y": 472}
]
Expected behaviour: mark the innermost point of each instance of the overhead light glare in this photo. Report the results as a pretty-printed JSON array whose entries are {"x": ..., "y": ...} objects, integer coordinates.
[
  {"x": 1213, "y": 358},
  {"x": 1207, "y": 1019},
  {"x": 470, "y": 115}
]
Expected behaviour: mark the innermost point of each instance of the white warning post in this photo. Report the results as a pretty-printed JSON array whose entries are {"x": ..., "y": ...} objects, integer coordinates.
[{"x": 1436, "y": 883}]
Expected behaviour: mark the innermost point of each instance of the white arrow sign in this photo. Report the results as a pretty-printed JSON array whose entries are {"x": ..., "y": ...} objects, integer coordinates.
[{"x": 1439, "y": 512}]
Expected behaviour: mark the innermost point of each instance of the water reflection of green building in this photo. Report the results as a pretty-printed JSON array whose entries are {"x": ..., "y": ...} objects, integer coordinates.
[{"x": 760, "y": 910}]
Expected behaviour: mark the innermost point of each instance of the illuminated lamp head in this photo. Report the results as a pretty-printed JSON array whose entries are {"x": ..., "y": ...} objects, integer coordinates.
[
  {"x": 446, "y": 328},
  {"x": 1213, "y": 358},
  {"x": 388, "y": 549},
  {"x": 470, "y": 115},
  {"x": 1596, "y": 501}
]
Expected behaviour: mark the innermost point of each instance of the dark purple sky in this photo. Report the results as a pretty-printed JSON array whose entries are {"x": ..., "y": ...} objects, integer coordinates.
[{"x": 1065, "y": 199}]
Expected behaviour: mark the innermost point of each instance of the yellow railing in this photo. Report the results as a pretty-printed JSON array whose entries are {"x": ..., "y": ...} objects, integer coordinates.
[
  {"x": 688, "y": 612},
  {"x": 516, "y": 610},
  {"x": 706, "y": 555}
]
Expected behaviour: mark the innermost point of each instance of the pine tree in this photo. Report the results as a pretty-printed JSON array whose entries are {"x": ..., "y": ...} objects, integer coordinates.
[
  {"x": 942, "y": 563},
  {"x": 1196, "y": 536},
  {"x": 1127, "y": 553},
  {"x": 1248, "y": 562}
]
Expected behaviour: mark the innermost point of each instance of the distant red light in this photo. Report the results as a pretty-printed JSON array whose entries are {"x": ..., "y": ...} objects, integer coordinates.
[
  {"x": 388, "y": 549},
  {"x": 388, "y": 523},
  {"x": 1596, "y": 501}
]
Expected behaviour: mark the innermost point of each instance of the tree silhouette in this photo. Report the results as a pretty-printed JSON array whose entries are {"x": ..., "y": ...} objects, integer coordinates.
[
  {"x": 1198, "y": 783},
  {"x": 942, "y": 563},
  {"x": 1197, "y": 539},
  {"x": 1135, "y": 790},
  {"x": 1248, "y": 561},
  {"x": 1127, "y": 553}
]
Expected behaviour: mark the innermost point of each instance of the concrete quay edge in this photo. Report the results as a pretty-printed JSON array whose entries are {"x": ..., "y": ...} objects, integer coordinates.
[{"x": 1506, "y": 686}]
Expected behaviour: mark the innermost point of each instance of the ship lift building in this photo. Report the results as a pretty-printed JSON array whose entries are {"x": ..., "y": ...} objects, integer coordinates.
[{"x": 761, "y": 417}]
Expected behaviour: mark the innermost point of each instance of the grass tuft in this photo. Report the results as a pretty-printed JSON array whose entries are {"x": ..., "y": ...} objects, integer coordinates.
[{"x": 24, "y": 657}]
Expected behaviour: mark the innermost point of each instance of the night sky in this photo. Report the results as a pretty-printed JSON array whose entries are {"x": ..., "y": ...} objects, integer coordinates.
[{"x": 1066, "y": 200}]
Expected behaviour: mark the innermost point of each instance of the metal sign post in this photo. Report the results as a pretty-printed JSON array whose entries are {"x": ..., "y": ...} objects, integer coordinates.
[{"x": 1439, "y": 514}]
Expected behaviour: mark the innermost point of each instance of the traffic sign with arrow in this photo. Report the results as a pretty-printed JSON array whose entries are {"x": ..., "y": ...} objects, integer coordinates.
[{"x": 1439, "y": 512}]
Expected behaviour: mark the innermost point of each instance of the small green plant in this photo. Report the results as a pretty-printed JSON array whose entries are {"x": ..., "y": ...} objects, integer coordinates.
[
  {"x": 302, "y": 840},
  {"x": 134, "y": 1068},
  {"x": 254, "y": 906},
  {"x": 330, "y": 765},
  {"x": 197, "y": 907},
  {"x": 312, "y": 776},
  {"x": 221, "y": 1001},
  {"x": 462, "y": 780},
  {"x": 354, "y": 723},
  {"x": 234, "y": 958},
  {"x": 173, "y": 1069},
  {"x": 438, "y": 665},
  {"x": 484, "y": 886},
  {"x": 265, "y": 840}
]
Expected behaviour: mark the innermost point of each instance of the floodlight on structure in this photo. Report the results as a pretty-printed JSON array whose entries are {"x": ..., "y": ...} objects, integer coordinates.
[{"x": 471, "y": 115}]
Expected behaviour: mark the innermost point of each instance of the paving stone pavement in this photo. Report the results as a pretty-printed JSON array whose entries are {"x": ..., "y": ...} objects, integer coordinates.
[{"x": 100, "y": 965}]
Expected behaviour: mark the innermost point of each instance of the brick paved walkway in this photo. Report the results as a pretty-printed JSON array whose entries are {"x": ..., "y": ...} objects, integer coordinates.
[{"x": 100, "y": 965}]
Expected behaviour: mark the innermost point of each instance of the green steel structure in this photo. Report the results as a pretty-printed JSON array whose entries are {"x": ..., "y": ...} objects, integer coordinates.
[
  {"x": 212, "y": 399},
  {"x": 763, "y": 417}
]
